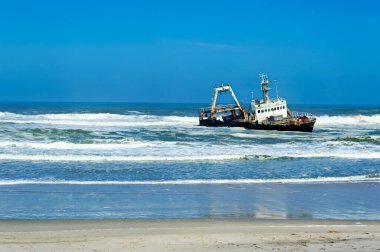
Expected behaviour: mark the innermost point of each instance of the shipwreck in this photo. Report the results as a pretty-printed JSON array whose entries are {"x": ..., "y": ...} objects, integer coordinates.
[{"x": 264, "y": 114}]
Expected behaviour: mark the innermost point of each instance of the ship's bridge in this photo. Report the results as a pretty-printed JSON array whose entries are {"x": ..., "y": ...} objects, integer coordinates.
[{"x": 264, "y": 110}]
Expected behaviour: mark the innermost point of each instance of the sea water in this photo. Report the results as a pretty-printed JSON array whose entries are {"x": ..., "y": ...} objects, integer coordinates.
[{"x": 125, "y": 160}]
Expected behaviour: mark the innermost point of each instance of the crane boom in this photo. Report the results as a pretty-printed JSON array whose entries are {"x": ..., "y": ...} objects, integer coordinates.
[{"x": 219, "y": 90}]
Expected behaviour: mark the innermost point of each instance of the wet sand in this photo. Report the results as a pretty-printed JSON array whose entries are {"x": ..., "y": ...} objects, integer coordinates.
[{"x": 189, "y": 235}]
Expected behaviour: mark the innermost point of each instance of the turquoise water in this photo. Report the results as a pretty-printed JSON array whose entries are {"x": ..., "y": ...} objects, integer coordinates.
[{"x": 124, "y": 160}]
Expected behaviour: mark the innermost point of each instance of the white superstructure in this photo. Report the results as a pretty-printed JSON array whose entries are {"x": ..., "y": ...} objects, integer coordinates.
[{"x": 267, "y": 108}]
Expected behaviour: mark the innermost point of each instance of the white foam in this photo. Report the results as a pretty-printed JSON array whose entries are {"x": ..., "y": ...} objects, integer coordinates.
[
  {"x": 73, "y": 146},
  {"x": 99, "y": 119},
  {"x": 135, "y": 112},
  {"x": 138, "y": 119},
  {"x": 96, "y": 158},
  {"x": 127, "y": 149},
  {"x": 320, "y": 180},
  {"x": 348, "y": 120},
  {"x": 338, "y": 154},
  {"x": 176, "y": 153}
]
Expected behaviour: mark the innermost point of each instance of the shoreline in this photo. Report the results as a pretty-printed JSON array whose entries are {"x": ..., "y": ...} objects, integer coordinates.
[
  {"x": 238, "y": 201},
  {"x": 189, "y": 235}
]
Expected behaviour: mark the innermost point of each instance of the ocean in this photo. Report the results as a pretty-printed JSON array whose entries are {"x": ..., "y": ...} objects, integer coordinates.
[{"x": 140, "y": 160}]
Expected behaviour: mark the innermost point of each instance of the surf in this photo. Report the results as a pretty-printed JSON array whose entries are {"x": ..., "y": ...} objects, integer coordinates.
[
  {"x": 348, "y": 120},
  {"x": 319, "y": 180}
]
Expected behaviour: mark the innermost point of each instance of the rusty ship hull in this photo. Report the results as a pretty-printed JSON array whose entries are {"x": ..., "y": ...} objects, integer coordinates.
[
  {"x": 291, "y": 126},
  {"x": 305, "y": 127}
]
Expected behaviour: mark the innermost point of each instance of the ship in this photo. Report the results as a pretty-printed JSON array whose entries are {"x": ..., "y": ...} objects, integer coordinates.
[{"x": 264, "y": 114}]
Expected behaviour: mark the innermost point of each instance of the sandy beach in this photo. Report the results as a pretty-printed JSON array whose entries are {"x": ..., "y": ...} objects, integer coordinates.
[{"x": 189, "y": 235}]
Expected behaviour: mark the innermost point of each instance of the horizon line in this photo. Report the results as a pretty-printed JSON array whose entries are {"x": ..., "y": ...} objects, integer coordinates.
[{"x": 159, "y": 102}]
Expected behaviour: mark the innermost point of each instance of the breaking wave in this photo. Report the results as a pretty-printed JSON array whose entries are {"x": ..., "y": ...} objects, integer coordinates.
[
  {"x": 186, "y": 158},
  {"x": 139, "y": 119},
  {"x": 348, "y": 120},
  {"x": 319, "y": 180},
  {"x": 95, "y": 158},
  {"x": 135, "y": 143},
  {"x": 99, "y": 119},
  {"x": 74, "y": 146}
]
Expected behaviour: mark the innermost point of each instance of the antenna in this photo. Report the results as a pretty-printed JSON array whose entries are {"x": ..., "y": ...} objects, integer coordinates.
[
  {"x": 264, "y": 86},
  {"x": 275, "y": 83},
  {"x": 252, "y": 95}
]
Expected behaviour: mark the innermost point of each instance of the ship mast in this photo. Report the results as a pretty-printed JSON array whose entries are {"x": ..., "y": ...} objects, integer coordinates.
[{"x": 264, "y": 86}]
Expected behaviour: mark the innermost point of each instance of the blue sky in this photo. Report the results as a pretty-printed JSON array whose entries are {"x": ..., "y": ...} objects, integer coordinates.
[{"x": 176, "y": 51}]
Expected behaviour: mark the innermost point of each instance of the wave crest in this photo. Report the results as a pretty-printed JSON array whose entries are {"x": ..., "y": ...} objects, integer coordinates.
[
  {"x": 184, "y": 158},
  {"x": 319, "y": 180},
  {"x": 98, "y": 119},
  {"x": 348, "y": 120}
]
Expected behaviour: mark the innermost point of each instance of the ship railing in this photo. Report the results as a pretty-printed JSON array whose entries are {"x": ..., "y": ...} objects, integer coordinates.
[
  {"x": 219, "y": 107},
  {"x": 301, "y": 114}
]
